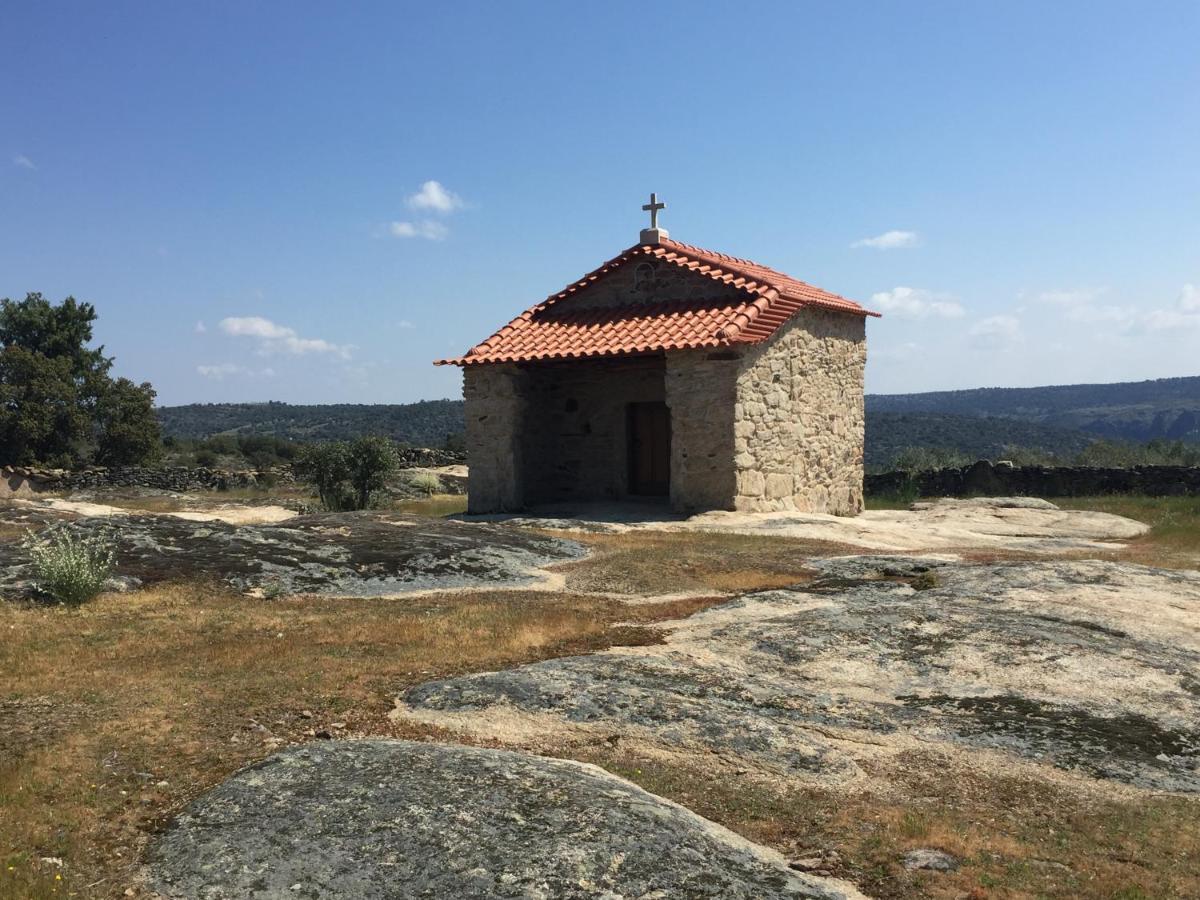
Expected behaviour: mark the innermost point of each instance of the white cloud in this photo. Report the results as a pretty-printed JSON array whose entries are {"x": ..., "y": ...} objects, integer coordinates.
[
  {"x": 220, "y": 370},
  {"x": 273, "y": 337},
  {"x": 1185, "y": 314},
  {"x": 996, "y": 332},
  {"x": 901, "y": 352},
  {"x": 200, "y": 328},
  {"x": 1073, "y": 297},
  {"x": 890, "y": 240},
  {"x": 23, "y": 162},
  {"x": 404, "y": 323},
  {"x": 225, "y": 370},
  {"x": 426, "y": 228},
  {"x": 1189, "y": 299},
  {"x": 1079, "y": 306},
  {"x": 917, "y": 303},
  {"x": 1088, "y": 314},
  {"x": 434, "y": 197}
]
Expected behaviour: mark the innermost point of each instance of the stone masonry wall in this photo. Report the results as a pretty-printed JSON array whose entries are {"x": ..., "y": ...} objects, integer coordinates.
[
  {"x": 701, "y": 390},
  {"x": 574, "y": 431},
  {"x": 798, "y": 419},
  {"x": 649, "y": 282},
  {"x": 984, "y": 478},
  {"x": 495, "y": 410}
]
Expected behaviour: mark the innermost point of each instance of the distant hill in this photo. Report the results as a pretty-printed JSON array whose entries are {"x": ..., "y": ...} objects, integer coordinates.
[
  {"x": 424, "y": 424},
  {"x": 1061, "y": 420},
  {"x": 1167, "y": 408},
  {"x": 889, "y": 434}
]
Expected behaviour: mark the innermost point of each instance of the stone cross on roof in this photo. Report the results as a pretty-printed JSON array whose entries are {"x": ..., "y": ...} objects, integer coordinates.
[{"x": 653, "y": 234}]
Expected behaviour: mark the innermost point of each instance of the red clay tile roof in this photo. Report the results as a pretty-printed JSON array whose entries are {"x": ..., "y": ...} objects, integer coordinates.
[{"x": 553, "y": 330}]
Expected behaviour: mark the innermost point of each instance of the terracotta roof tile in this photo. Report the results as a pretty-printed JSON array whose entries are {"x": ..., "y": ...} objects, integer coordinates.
[{"x": 553, "y": 330}]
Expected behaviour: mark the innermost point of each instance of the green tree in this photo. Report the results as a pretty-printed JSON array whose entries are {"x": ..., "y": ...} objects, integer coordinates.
[
  {"x": 41, "y": 418},
  {"x": 371, "y": 460},
  {"x": 56, "y": 332},
  {"x": 58, "y": 403},
  {"x": 324, "y": 466},
  {"x": 127, "y": 431},
  {"x": 347, "y": 475}
]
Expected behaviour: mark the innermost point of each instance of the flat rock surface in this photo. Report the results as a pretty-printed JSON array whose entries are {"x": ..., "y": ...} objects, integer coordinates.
[
  {"x": 367, "y": 554},
  {"x": 232, "y": 513},
  {"x": 996, "y": 523},
  {"x": 394, "y": 819},
  {"x": 1082, "y": 666}
]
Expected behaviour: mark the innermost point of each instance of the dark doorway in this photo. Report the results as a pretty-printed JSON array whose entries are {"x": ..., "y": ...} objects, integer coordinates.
[{"x": 649, "y": 449}]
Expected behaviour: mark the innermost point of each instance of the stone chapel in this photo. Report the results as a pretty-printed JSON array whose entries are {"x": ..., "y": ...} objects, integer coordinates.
[{"x": 672, "y": 372}]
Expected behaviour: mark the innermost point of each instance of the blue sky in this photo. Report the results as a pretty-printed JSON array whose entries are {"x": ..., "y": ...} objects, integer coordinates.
[{"x": 243, "y": 191}]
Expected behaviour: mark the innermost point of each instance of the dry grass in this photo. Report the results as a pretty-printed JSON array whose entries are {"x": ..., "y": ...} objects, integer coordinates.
[
  {"x": 115, "y": 714},
  {"x": 1174, "y": 537},
  {"x": 437, "y": 506},
  {"x": 1018, "y": 839},
  {"x": 646, "y": 562}
]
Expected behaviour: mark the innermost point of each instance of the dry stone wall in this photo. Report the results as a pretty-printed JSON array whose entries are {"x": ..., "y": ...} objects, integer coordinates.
[
  {"x": 984, "y": 478},
  {"x": 798, "y": 418},
  {"x": 23, "y": 481}
]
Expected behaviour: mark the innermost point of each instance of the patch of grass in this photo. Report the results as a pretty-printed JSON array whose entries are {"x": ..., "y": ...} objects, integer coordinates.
[
  {"x": 646, "y": 562},
  {"x": 1174, "y": 537},
  {"x": 1017, "y": 838},
  {"x": 117, "y": 713},
  {"x": 438, "y": 506}
]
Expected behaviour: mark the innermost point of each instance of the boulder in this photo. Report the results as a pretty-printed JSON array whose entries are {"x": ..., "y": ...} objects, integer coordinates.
[{"x": 378, "y": 819}]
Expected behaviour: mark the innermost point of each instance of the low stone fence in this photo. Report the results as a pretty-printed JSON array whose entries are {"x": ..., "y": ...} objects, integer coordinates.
[
  {"x": 428, "y": 458},
  {"x": 27, "y": 480},
  {"x": 1002, "y": 479},
  {"x": 15, "y": 480}
]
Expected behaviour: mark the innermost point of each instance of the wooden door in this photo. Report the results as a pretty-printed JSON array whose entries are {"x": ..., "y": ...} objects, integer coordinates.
[{"x": 649, "y": 433}]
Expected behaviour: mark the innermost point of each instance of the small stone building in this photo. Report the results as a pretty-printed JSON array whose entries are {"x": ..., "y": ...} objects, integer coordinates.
[{"x": 671, "y": 372}]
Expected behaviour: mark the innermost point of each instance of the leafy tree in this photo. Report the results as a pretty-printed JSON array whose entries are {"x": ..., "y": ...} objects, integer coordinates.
[
  {"x": 41, "y": 418},
  {"x": 56, "y": 332},
  {"x": 371, "y": 460},
  {"x": 324, "y": 467},
  {"x": 127, "y": 429},
  {"x": 58, "y": 403},
  {"x": 364, "y": 464}
]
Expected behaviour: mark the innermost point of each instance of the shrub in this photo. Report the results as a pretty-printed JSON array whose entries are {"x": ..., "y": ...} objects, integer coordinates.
[
  {"x": 924, "y": 459},
  {"x": 425, "y": 481},
  {"x": 370, "y": 461},
  {"x": 365, "y": 464},
  {"x": 69, "y": 566}
]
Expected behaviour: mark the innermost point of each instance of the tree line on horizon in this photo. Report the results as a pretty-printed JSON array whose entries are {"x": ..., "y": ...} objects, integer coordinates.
[{"x": 60, "y": 406}]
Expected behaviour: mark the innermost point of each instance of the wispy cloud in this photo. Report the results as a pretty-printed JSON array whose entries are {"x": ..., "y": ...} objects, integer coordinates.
[
  {"x": 435, "y": 198},
  {"x": 1185, "y": 314},
  {"x": 890, "y": 240},
  {"x": 917, "y": 303},
  {"x": 1080, "y": 306},
  {"x": 275, "y": 338},
  {"x": 228, "y": 369},
  {"x": 23, "y": 162},
  {"x": 426, "y": 228},
  {"x": 1071, "y": 297},
  {"x": 996, "y": 332},
  {"x": 200, "y": 328},
  {"x": 404, "y": 323}
]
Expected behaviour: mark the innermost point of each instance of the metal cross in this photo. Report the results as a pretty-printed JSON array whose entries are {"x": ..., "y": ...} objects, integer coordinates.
[{"x": 653, "y": 207}]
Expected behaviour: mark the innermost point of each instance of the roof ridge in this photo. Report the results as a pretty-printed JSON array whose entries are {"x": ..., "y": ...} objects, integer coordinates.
[{"x": 770, "y": 298}]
